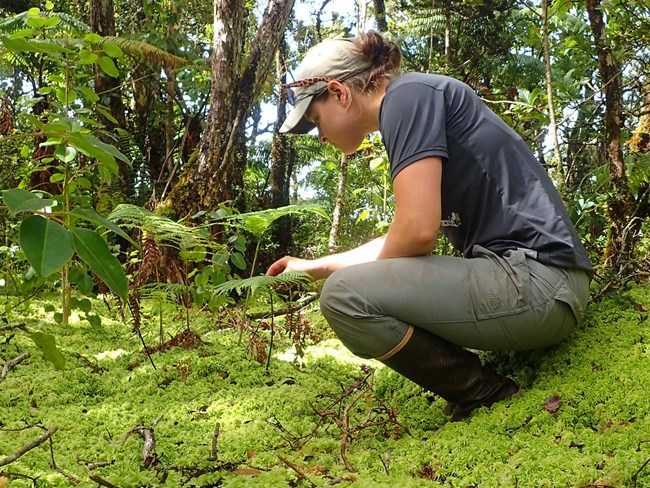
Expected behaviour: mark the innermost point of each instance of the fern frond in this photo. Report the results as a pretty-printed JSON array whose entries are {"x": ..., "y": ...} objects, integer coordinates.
[
  {"x": 258, "y": 222},
  {"x": 68, "y": 22},
  {"x": 425, "y": 21},
  {"x": 165, "y": 231},
  {"x": 254, "y": 283},
  {"x": 166, "y": 292},
  {"x": 144, "y": 51},
  {"x": 13, "y": 24},
  {"x": 72, "y": 23}
]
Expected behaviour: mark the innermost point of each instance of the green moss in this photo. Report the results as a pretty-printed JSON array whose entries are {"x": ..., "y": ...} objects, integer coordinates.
[{"x": 601, "y": 374}]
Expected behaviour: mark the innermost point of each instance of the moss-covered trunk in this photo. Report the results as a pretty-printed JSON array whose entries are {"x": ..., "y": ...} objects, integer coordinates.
[{"x": 218, "y": 173}]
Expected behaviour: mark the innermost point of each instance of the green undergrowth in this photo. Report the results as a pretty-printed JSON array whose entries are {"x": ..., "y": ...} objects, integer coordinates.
[{"x": 289, "y": 425}]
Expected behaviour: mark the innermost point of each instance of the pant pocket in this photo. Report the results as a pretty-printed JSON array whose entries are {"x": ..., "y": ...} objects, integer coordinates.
[{"x": 500, "y": 284}]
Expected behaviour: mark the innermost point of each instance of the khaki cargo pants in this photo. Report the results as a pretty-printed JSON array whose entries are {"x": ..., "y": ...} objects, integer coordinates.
[{"x": 494, "y": 303}]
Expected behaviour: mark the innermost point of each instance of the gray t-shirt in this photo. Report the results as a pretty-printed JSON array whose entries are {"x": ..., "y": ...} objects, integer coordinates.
[{"x": 495, "y": 192}]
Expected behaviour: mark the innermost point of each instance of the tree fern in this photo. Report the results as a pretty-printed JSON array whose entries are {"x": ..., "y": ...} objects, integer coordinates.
[
  {"x": 257, "y": 223},
  {"x": 143, "y": 51},
  {"x": 163, "y": 229},
  {"x": 426, "y": 20},
  {"x": 68, "y": 23}
]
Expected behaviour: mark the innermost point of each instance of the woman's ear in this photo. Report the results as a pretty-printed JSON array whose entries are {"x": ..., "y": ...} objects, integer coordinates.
[{"x": 339, "y": 90}]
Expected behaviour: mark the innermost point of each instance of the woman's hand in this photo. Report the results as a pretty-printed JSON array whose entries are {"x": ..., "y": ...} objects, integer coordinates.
[{"x": 291, "y": 263}]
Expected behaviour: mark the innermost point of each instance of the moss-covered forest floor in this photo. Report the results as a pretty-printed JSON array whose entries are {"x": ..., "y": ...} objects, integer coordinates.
[{"x": 220, "y": 418}]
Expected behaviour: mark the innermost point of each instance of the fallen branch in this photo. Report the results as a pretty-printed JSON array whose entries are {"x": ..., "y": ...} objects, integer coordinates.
[
  {"x": 102, "y": 482},
  {"x": 9, "y": 327},
  {"x": 28, "y": 447},
  {"x": 215, "y": 438},
  {"x": 149, "y": 455},
  {"x": 11, "y": 363},
  {"x": 634, "y": 477},
  {"x": 295, "y": 468},
  {"x": 95, "y": 465},
  {"x": 56, "y": 468},
  {"x": 7, "y": 474}
]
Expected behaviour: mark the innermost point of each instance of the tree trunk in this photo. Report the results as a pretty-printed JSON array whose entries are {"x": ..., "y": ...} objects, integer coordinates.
[
  {"x": 281, "y": 166},
  {"x": 218, "y": 173},
  {"x": 551, "y": 102},
  {"x": 622, "y": 210},
  {"x": 380, "y": 15},
  {"x": 338, "y": 206},
  {"x": 102, "y": 22}
]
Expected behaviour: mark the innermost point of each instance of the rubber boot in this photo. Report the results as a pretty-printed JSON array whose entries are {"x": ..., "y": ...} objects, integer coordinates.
[{"x": 449, "y": 371}]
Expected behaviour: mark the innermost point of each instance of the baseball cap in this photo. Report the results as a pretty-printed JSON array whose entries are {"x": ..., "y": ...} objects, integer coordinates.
[{"x": 333, "y": 59}]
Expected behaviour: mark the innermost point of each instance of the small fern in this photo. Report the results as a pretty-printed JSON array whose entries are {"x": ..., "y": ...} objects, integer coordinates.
[{"x": 255, "y": 283}]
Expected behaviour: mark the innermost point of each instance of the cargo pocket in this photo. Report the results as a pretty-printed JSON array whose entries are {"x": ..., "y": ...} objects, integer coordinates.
[{"x": 500, "y": 284}]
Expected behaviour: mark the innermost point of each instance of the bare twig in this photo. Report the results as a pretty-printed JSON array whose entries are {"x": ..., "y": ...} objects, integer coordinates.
[
  {"x": 102, "y": 482},
  {"x": 95, "y": 465},
  {"x": 149, "y": 455},
  {"x": 295, "y": 468},
  {"x": 347, "y": 432},
  {"x": 11, "y": 363},
  {"x": 29, "y": 446},
  {"x": 9, "y": 327},
  {"x": 634, "y": 477},
  {"x": 215, "y": 438},
  {"x": 7, "y": 474},
  {"x": 56, "y": 468}
]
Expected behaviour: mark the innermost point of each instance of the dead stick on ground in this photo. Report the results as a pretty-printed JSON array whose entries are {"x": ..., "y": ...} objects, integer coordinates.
[
  {"x": 11, "y": 363},
  {"x": 300, "y": 474},
  {"x": 102, "y": 482},
  {"x": 215, "y": 438},
  {"x": 5, "y": 328},
  {"x": 634, "y": 477},
  {"x": 28, "y": 447},
  {"x": 56, "y": 468}
]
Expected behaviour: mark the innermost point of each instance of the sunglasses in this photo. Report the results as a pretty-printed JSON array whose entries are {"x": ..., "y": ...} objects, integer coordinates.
[{"x": 289, "y": 94}]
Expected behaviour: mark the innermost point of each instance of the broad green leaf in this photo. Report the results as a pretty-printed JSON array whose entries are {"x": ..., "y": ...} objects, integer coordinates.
[
  {"x": 94, "y": 320},
  {"x": 93, "y": 250},
  {"x": 47, "y": 344},
  {"x": 46, "y": 244},
  {"x": 88, "y": 57},
  {"x": 66, "y": 97},
  {"x": 108, "y": 66},
  {"x": 21, "y": 45},
  {"x": 238, "y": 260},
  {"x": 83, "y": 182},
  {"x": 94, "y": 38},
  {"x": 33, "y": 12},
  {"x": 107, "y": 114},
  {"x": 65, "y": 154},
  {"x": 90, "y": 94},
  {"x": 108, "y": 148},
  {"x": 92, "y": 151},
  {"x": 57, "y": 178},
  {"x": 23, "y": 33},
  {"x": 39, "y": 22},
  {"x": 91, "y": 215},
  {"x": 113, "y": 50},
  {"x": 18, "y": 200}
]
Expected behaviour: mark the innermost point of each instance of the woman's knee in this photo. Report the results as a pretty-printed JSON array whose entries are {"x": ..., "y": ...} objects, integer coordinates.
[{"x": 338, "y": 296}]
